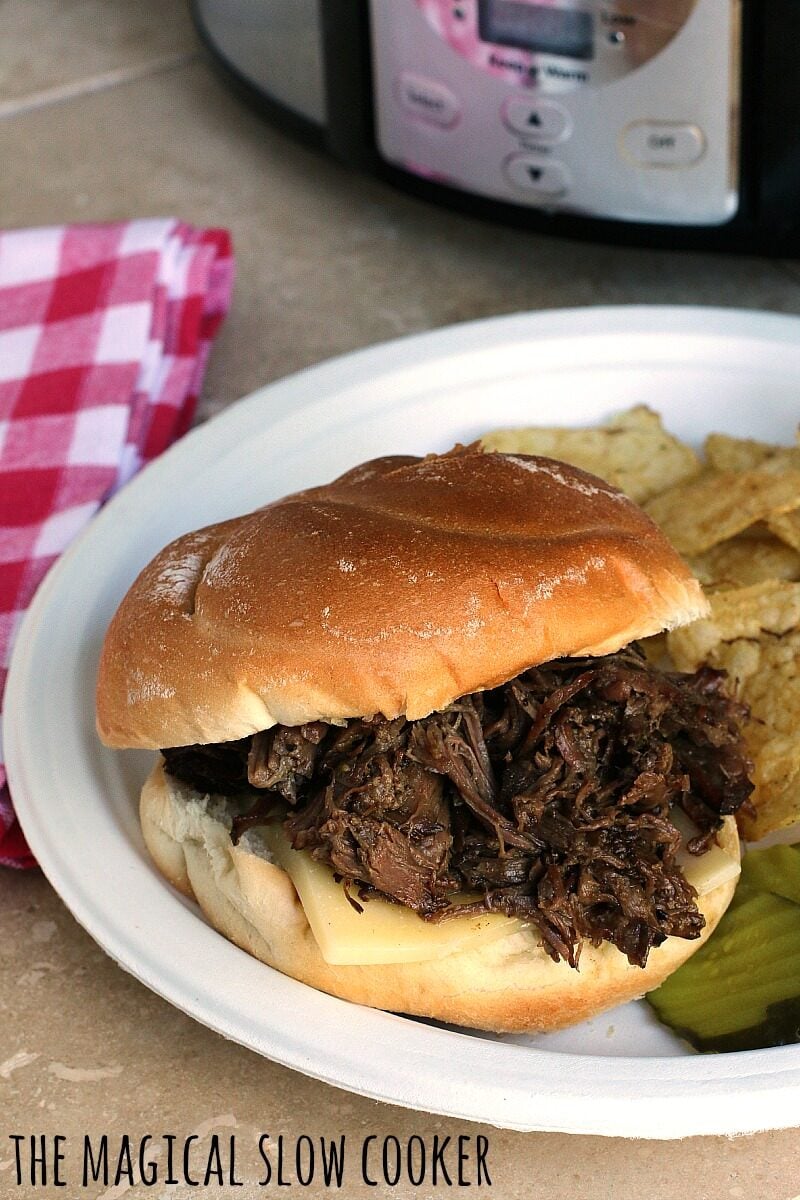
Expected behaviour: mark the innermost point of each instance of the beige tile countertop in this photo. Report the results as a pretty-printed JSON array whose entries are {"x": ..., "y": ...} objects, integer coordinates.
[{"x": 108, "y": 110}]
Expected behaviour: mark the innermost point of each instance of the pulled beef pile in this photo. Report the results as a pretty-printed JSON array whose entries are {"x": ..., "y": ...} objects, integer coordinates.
[{"x": 546, "y": 799}]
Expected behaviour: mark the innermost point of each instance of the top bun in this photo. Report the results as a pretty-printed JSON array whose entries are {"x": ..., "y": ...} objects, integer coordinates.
[{"x": 396, "y": 589}]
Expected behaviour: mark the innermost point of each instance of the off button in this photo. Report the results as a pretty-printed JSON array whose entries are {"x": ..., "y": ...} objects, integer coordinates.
[
  {"x": 662, "y": 143},
  {"x": 428, "y": 99}
]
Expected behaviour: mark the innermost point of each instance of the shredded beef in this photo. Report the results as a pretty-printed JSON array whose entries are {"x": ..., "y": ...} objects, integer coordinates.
[{"x": 547, "y": 799}]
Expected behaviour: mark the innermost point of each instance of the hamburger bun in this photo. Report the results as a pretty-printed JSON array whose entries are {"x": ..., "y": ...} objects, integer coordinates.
[
  {"x": 508, "y": 985},
  {"x": 396, "y": 589}
]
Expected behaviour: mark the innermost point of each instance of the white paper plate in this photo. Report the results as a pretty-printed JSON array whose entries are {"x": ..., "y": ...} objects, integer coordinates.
[{"x": 619, "y": 1075}]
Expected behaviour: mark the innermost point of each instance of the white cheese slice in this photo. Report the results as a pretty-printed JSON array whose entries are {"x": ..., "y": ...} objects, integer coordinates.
[
  {"x": 388, "y": 933},
  {"x": 383, "y": 932},
  {"x": 705, "y": 871}
]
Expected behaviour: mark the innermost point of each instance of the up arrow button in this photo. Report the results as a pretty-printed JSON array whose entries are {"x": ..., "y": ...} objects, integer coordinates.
[{"x": 537, "y": 120}]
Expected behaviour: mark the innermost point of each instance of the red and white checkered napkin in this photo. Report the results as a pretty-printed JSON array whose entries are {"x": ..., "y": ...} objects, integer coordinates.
[{"x": 104, "y": 335}]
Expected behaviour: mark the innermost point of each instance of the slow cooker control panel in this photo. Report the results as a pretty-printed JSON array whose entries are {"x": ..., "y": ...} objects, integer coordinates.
[{"x": 625, "y": 110}]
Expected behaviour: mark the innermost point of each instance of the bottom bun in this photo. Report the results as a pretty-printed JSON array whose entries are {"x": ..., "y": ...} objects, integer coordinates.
[{"x": 507, "y": 985}]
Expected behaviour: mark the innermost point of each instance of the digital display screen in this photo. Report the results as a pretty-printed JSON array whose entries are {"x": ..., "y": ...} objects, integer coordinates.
[{"x": 541, "y": 27}]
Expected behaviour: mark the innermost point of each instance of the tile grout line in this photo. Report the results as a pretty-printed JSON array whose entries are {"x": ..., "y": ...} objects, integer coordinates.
[{"x": 98, "y": 83}]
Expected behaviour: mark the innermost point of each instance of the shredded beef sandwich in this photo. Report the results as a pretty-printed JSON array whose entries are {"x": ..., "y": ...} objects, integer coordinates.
[{"x": 426, "y": 676}]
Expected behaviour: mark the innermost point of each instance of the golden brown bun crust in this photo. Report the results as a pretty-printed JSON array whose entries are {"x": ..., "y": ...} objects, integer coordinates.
[
  {"x": 507, "y": 985},
  {"x": 396, "y": 589}
]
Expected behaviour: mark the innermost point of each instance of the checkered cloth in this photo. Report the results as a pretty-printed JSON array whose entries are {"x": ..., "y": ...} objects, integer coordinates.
[{"x": 104, "y": 335}]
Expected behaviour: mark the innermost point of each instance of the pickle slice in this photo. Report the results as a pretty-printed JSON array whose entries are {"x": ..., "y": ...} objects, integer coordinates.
[
  {"x": 741, "y": 991},
  {"x": 775, "y": 870}
]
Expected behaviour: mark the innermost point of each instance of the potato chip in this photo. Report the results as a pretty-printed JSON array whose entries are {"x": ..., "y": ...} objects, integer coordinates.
[
  {"x": 787, "y": 528},
  {"x": 655, "y": 649},
  {"x": 754, "y": 634},
  {"x": 726, "y": 453},
  {"x": 750, "y": 557},
  {"x": 632, "y": 451},
  {"x": 772, "y": 607},
  {"x": 777, "y": 781},
  {"x": 720, "y": 504}
]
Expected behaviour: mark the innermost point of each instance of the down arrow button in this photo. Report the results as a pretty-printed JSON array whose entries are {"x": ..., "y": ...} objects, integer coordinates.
[{"x": 529, "y": 174}]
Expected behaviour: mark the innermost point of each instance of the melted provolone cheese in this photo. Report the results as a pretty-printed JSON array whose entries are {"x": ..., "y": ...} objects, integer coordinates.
[
  {"x": 383, "y": 932},
  {"x": 388, "y": 933},
  {"x": 705, "y": 871}
]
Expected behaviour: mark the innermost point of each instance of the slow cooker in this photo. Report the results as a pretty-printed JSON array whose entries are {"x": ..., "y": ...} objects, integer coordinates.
[{"x": 672, "y": 122}]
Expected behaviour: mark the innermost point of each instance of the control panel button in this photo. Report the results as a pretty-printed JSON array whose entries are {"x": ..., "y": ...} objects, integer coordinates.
[
  {"x": 537, "y": 119},
  {"x": 542, "y": 176},
  {"x": 428, "y": 99},
  {"x": 662, "y": 143}
]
